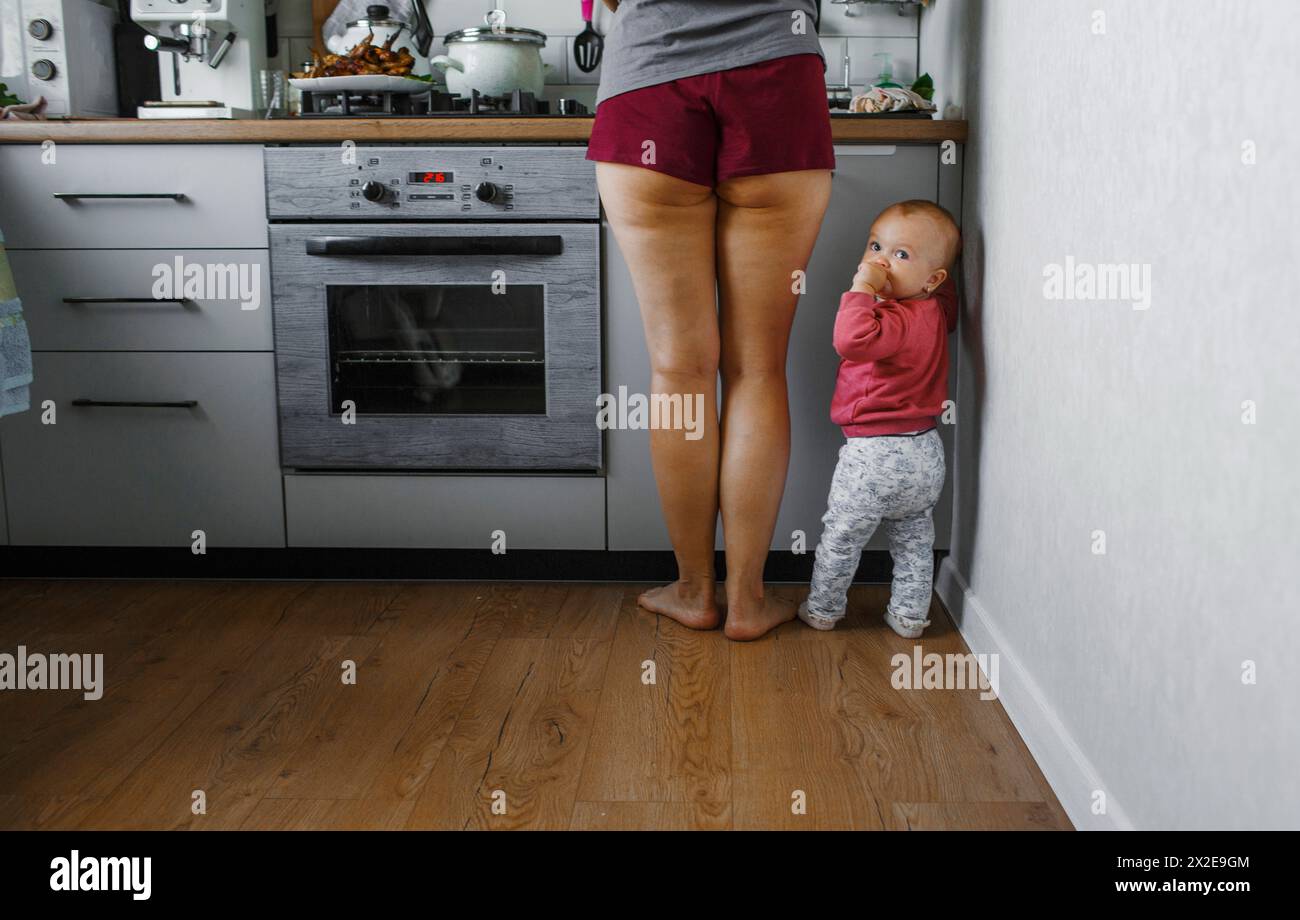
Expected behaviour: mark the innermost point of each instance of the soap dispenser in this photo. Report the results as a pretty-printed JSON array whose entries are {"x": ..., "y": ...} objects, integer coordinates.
[{"x": 886, "y": 78}]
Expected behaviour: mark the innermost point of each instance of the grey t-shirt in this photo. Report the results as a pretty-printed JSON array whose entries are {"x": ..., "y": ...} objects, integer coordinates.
[{"x": 654, "y": 41}]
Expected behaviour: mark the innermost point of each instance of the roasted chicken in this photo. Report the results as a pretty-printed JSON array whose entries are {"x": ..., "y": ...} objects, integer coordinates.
[{"x": 365, "y": 59}]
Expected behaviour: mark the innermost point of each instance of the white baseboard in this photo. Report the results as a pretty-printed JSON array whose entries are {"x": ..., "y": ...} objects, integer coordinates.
[{"x": 1067, "y": 769}]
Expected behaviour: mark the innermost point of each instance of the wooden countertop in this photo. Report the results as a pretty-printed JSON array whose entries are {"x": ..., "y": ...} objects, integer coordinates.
[{"x": 494, "y": 129}]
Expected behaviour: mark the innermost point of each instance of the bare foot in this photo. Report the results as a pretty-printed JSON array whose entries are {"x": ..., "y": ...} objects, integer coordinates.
[
  {"x": 683, "y": 602},
  {"x": 752, "y": 618}
]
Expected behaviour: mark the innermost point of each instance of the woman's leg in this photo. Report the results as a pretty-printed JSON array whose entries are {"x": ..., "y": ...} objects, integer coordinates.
[
  {"x": 665, "y": 228},
  {"x": 767, "y": 225}
]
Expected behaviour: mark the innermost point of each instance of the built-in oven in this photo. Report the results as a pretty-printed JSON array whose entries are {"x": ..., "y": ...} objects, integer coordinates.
[{"x": 436, "y": 308}]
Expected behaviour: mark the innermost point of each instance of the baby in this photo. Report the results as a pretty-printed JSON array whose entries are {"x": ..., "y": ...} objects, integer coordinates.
[{"x": 892, "y": 334}]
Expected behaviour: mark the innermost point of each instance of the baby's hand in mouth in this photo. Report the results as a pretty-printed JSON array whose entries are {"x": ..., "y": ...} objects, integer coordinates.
[{"x": 870, "y": 279}]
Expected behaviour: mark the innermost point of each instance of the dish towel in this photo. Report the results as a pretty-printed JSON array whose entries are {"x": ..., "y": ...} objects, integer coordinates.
[
  {"x": 15, "y": 346},
  {"x": 889, "y": 99}
]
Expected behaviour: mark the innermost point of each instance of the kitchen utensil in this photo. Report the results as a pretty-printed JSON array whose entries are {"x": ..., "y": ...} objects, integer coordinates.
[
  {"x": 839, "y": 95},
  {"x": 589, "y": 45},
  {"x": 274, "y": 92},
  {"x": 422, "y": 32},
  {"x": 494, "y": 59}
]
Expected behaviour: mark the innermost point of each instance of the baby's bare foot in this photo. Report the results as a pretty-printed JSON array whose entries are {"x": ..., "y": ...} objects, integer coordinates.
[
  {"x": 684, "y": 602},
  {"x": 753, "y": 617}
]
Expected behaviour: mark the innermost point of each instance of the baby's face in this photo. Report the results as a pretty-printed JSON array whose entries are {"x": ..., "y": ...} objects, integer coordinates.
[{"x": 910, "y": 249}]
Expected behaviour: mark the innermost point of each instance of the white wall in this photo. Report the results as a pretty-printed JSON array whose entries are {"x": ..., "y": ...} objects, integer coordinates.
[
  {"x": 943, "y": 53},
  {"x": 1123, "y": 670},
  {"x": 871, "y": 29}
]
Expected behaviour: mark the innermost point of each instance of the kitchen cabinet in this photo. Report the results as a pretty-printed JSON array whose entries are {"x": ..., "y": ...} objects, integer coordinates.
[
  {"x": 199, "y": 453},
  {"x": 445, "y": 511},
  {"x": 151, "y": 475},
  {"x": 165, "y": 408},
  {"x": 867, "y": 178},
  {"x": 68, "y": 305},
  {"x": 95, "y": 196}
]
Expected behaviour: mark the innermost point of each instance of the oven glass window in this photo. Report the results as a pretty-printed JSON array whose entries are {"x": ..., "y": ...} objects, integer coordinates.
[{"x": 443, "y": 349}]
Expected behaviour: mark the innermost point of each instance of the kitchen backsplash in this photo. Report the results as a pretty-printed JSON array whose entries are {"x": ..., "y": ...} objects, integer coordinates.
[{"x": 874, "y": 28}]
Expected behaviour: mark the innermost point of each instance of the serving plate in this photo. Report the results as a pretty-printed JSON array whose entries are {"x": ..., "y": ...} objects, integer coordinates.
[{"x": 361, "y": 83}]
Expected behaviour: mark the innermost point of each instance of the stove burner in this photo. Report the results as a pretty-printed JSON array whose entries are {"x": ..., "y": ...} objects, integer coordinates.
[{"x": 435, "y": 103}]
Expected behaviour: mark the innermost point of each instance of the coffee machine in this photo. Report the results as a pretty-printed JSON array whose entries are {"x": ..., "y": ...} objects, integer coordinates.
[{"x": 211, "y": 54}]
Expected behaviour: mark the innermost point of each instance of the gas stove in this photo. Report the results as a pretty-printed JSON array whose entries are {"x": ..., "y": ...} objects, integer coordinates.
[{"x": 434, "y": 104}]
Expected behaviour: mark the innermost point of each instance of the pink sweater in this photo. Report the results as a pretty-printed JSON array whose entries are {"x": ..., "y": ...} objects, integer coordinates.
[{"x": 894, "y": 374}]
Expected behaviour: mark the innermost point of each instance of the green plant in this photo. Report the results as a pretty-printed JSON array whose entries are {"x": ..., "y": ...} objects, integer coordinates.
[
  {"x": 8, "y": 98},
  {"x": 924, "y": 87}
]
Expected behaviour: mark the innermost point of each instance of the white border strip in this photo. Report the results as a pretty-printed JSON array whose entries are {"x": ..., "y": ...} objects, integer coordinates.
[{"x": 1067, "y": 769}]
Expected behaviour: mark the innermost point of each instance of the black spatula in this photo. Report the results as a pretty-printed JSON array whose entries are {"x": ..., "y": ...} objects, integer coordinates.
[{"x": 587, "y": 47}]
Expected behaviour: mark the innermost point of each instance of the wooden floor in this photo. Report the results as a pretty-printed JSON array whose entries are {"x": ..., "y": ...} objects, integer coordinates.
[{"x": 485, "y": 706}]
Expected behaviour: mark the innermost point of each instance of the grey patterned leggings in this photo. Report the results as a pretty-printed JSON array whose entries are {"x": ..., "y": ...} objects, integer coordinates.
[{"x": 896, "y": 479}]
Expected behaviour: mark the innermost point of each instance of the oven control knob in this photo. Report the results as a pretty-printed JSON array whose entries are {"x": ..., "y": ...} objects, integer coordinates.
[
  {"x": 376, "y": 192},
  {"x": 486, "y": 191},
  {"x": 43, "y": 69},
  {"x": 40, "y": 29}
]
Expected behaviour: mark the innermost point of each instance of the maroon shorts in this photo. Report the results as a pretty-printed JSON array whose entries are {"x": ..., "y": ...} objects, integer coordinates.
[{"x": 761, "y": 118}]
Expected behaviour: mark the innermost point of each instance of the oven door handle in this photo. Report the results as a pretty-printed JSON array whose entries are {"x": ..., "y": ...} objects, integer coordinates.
[{"x": 531, "y": 245}]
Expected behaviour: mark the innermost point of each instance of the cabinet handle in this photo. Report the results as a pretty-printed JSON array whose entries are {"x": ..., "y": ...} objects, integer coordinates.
[
  {"x": 73, "y": 196},
  {"x": 538, "y": 245},
  {"x": 134, "y": 404},
  {"x": 85, "y": 300}
]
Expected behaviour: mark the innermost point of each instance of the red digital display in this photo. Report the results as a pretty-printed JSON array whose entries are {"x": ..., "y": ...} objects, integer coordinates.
[{"x": 431, "y": 177}]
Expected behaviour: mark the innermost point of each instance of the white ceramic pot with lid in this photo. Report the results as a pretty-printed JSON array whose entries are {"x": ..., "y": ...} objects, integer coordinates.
[
  {"x": 380, "y": 23},
  {"x": 494, "y": 59}
]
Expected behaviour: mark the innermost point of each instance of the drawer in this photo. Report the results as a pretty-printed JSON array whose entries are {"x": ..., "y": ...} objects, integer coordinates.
[
  {"x": 215, "y": 321},
  {"x": 146, "y": 476},
  {"x": 448, "y": 512},
  {"x": 220, "y": 200}
]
